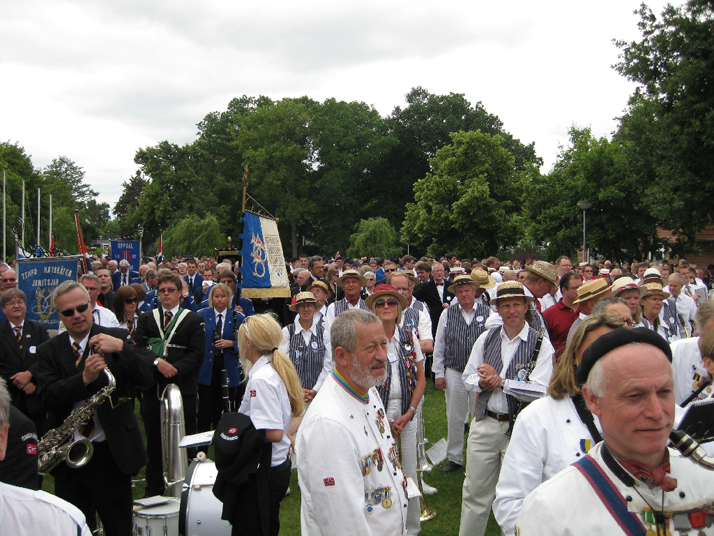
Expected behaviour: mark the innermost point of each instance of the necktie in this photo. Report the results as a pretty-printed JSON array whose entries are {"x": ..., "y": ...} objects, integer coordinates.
[
  {"x": 133, "y": 326},
  {"x": 219, "y": 325},
  {"x": 18, "y": 335},
  {"x": 190, "y": 282},
  {"x": 126, "y": 279},
  {"x": 77, "y": 349},
  {"x": 168, "y": 315}
]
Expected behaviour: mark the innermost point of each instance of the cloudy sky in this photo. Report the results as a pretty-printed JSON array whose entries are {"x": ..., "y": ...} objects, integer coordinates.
[{"x": 95, "y": 80}]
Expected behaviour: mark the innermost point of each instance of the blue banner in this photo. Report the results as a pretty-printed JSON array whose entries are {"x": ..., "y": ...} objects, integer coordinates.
[
  {"x": 38, "y": 278},
  {"x": 127, "y": 250},
  {"x": 264, "y": 272}
]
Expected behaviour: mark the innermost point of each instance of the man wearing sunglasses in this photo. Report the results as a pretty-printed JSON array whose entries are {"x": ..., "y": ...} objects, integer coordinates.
[
  {"x": 176, "y": 336},
  {"x": 70, "y": 371}
]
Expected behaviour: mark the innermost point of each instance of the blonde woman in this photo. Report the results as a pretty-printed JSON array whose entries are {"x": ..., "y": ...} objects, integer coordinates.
[{"x": 273, "y": 396}]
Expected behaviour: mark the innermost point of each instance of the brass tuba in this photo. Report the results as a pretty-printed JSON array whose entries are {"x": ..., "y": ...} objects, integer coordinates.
[
  {"x": 57, "y": 444},
  {"x": 173, "y": 429}
]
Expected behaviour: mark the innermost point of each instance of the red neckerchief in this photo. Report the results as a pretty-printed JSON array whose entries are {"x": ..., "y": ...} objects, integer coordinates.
[
  {"x": 654, "y": 477},
  {"x": 353, "y": 302}
]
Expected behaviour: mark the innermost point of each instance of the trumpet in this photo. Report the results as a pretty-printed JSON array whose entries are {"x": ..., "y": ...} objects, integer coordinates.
[{"x": 423, "y": 465}]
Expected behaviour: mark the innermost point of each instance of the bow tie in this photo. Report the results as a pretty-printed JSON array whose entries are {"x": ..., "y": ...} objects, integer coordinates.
[{"x": 439, "y": 284}]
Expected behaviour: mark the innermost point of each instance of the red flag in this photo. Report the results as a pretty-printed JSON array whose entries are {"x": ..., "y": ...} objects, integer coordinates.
[
  {"x": 52, "y": 246},
  {"x": 81, "y": 246},
  {"x": 160, "y": 253}
]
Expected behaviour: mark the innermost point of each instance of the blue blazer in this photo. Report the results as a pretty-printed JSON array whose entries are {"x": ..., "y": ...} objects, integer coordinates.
[
  {"x": 197, "y": 282},
  {"x": 245, "y": 303},
  {"x": 230, "y": 355}
]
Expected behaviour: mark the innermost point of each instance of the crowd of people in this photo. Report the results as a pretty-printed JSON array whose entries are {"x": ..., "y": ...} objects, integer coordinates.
[{"x": 555, "y": 372}]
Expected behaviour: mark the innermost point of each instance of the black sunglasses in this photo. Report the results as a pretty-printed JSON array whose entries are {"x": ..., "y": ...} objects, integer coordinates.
[
  {"x": 79, "y": 309},
  {"x": 131, "y": 300},
  {"x": 380, "y": 302}
]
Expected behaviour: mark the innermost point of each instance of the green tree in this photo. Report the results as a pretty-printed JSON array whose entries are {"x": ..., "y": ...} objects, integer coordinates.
[
  {"x": 620, "y": 224},
  {"x": 192, "y": 235},
  {"x": 668, "y": 131},
  {"x": 422, "y": 128},
  {"x": 374, "y": 237},
  {"x": 275, "y": 145},
  {"x": 471, "y": 200},
  {"x": 127, "y": 204}
]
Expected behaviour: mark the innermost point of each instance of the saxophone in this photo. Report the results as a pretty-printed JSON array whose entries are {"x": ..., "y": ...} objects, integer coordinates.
[{"x": 57, "y": 445}]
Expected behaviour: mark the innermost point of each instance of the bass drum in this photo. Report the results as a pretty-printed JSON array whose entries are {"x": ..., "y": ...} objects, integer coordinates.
[
  {"x": 160, "y": 520},
  {"x": 200, "y": 513}
]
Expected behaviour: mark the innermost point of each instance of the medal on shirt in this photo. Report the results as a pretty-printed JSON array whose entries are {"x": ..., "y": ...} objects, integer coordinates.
[
  {"x": 379, "y": 421},
  {"x": 314, "y": 345},
  {"x": 655, "y": 528},
  {"x": 386, "y": 502}
]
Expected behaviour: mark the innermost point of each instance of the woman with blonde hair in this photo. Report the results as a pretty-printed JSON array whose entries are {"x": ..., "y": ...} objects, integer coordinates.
[
  {"x": 273, "y": 396},
  {"x": 553, "y": 432}
]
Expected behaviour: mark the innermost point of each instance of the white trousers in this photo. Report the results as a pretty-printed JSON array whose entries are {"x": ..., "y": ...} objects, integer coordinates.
[
  {"x": 408, "y": 444},
  {"x": 485, "y": 451},
  {"x": 459, "y": 402}
]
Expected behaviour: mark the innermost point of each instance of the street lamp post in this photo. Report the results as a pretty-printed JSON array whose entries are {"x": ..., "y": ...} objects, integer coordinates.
[
  {"x": 140, "y": 228},
  {"x": 584, "y": 205}
]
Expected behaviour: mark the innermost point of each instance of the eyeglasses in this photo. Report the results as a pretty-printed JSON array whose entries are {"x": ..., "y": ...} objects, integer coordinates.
[
  {"x": 70, "y": 312},
  {"x": 389, "y": 270},
  {"x": 167, "y": 290},
  {"x": 381, "y": 302},
  {"x": 12, "y": 280},
  {"x": 131, "y": 300}
]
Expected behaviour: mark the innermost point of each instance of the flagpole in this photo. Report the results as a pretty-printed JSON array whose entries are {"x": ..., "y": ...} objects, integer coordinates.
[
  {"x": 3, "y": 216},
  {"x": 50, "y": 232},
  {"x": 22, "y": 232},
  {"x": 38, "y": 217}
]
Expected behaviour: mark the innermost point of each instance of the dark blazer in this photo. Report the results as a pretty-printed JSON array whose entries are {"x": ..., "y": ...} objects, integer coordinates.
[
  {"x": 134, "y": 277},
  {"x": 245, "y": 303},
  {"x": 14, "y": 360},
  {"x": 19, "y": 467},
  {"x": 428, "y": 293},
  {"x": 197, "y": 282},
  {"x": 187, "y": 358},
  {"x": 60, "y": 385}
]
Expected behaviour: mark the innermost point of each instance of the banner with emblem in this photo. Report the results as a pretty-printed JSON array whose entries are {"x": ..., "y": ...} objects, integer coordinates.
[
  {"x": 38, "y": 278},
  {"x": 127, "y": 250},
  {"x": 263, "y": 272}
]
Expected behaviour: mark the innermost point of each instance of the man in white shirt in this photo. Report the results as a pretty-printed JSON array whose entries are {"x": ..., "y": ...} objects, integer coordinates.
[
  {"x": 682, "y": 306},
  {"x": 499, "y": 355}
]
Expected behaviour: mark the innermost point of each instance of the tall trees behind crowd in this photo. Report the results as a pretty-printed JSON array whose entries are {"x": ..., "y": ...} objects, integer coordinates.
[
  {"x": 63, "y": 179},
  {"x": 439, "y": 173}
]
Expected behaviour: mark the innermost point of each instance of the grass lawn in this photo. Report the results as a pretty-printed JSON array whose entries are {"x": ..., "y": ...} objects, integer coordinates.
[{"x": 447, "y": 502}]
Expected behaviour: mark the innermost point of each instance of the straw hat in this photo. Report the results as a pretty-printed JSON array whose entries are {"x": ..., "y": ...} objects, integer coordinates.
[
  {"x": 322, "y": 285},
  {"x": 654, "y": 289},
  {"x": 456, "y": 271},
  {"x": 592, "y": 288},
  {"x": 545, "y": 270},
  {"x": 511, "y": 289},
  {"x": 623, "y": 284},
  {"x": 462, "y": 280},
  {"x": 482, "y": 279},
  {"x": 303, "y": 297},
  {"x": 653, "y": 275},
  {"x": 354, "y": 274},
  {"x": 381, "y": 291}
]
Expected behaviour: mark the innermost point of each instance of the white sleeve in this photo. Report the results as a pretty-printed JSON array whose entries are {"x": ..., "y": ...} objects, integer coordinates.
[
  {"x": 437, "y": 367},
  {"x": 330, "y": 316},
  {"x": 327, "y": 451},
  {"x": 494, "y": 320},
  {"x": 470, "y": 376},
  {"x": 265, "y": 408},
  {"x": 544, "y": 365},
  {"x": 521, "y": 469},
  {"x": 425, "y": 326},
  {"x": 327, "y": 364},
  {"x": 284, "y": 345}
]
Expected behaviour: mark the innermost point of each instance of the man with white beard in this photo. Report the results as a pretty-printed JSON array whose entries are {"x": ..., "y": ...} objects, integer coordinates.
[{"x": 348, "y": 470}]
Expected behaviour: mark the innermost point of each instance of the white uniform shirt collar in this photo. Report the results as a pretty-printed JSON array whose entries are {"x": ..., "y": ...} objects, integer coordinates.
[
  {"x": 299, "y": 328},
  {"x": 262, "y": 361},
  {"x": 523, "y": 334}
]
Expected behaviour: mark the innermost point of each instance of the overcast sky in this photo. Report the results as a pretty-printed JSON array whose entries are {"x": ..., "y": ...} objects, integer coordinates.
[{"x": 96, "y": 80}]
